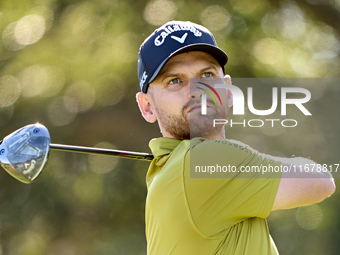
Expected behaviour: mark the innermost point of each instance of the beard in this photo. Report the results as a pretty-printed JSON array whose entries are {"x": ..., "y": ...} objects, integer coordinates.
[{"x": 187, "y": 126}]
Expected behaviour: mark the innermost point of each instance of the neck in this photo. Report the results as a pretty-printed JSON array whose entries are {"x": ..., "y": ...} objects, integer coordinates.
[{"x": 219, "y": 136}]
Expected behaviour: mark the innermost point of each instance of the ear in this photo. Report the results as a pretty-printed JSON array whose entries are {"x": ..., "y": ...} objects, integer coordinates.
[
  {"x": 227, "y": 80},
  {"x": 145, "y": 104}
]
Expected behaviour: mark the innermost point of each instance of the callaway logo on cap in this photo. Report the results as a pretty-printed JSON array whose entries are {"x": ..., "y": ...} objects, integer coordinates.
[{"x": 169, "y": 40}]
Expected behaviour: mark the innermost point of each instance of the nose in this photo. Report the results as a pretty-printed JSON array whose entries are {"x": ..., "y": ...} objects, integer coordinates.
[{"x": 194, "y": 92}]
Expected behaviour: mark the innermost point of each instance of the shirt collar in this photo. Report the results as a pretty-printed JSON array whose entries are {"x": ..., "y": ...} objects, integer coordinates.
[{"x": 163, "y": 145}]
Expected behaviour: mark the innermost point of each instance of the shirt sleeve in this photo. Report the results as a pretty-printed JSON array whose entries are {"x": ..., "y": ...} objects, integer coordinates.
[{"x": 219, "y": 200}]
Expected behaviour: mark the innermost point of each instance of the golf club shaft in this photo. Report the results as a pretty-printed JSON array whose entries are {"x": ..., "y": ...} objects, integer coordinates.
[{"x": 98, "y": 151}]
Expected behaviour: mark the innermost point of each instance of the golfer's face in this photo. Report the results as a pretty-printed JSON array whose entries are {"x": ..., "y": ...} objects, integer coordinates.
[{"x": 172, "y": 95}]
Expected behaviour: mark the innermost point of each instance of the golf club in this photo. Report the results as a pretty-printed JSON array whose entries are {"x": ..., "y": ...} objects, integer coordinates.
[{"x": 24, "y": 153}]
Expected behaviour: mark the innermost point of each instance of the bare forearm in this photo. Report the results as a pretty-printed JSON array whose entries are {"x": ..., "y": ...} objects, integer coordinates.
[{"x": 305, "y": 185}]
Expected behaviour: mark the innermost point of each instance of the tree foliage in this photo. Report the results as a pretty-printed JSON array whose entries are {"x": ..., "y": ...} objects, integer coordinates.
[{"x": 71, "y": 65}]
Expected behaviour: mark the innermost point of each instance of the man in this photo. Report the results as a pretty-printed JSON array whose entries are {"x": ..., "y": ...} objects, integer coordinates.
[{"x": 206, "y": 215}]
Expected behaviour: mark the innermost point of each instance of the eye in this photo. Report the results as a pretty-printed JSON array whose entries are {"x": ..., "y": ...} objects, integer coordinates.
[
  {"x": 207, "y": 74},
  {"x": 174, "y": 81}
]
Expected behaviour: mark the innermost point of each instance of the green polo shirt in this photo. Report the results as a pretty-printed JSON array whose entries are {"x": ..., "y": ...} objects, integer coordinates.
[{"x": 186, "y": 215}]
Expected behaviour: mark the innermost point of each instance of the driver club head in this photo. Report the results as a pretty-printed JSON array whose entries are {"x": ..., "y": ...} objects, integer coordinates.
[{"x": 24, "y": 153}]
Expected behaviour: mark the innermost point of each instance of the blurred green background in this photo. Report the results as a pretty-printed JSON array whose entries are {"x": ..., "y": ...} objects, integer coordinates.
[{"x": 71, "y": 65}]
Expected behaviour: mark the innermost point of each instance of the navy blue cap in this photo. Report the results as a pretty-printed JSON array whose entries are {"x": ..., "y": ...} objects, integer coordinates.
[{"x": 169, "y": 40}]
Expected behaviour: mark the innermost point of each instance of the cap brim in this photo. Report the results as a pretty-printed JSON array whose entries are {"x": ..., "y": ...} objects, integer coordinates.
[{"x": 214, "y": 51}]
